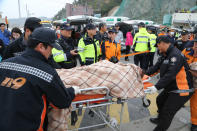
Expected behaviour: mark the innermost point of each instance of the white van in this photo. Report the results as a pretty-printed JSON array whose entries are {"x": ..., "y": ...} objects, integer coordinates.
[{"x": 111, "y": 21}]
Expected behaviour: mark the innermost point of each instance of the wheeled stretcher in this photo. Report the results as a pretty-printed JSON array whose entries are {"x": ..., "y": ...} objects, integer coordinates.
[{"x": 95, "y": 103}]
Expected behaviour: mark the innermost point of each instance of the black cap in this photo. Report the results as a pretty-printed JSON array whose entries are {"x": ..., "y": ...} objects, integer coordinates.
[
  {"x": 163, "y": 38},
  {"x": 184, "y": 32},
  {"x": 117, "y": 25},
  {"x": 45, "y": 35},
  {"x": 112, "y": 29},
  {"x": 32, "y": 23},
  {"x": 141, "y": 24},
  {"x": 152, "y": 28},
  {"x": 90, "y": 26},
  {"x": 65, "y": 26}
]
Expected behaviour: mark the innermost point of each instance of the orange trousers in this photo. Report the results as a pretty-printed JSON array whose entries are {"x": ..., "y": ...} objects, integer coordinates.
[{"x": 193, "y": 106}]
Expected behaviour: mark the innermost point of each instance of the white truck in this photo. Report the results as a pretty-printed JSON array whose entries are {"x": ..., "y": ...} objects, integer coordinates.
[{"x": 184, "y": 20}]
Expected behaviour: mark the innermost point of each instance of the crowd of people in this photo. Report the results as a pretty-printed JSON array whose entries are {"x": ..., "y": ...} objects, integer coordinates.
[{"x": 29, "y": 80}]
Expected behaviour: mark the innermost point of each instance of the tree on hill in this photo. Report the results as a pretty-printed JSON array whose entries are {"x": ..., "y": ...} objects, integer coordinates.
[
  {"x": 60, "y": 15},
  {"x": 99, "y": 6}
]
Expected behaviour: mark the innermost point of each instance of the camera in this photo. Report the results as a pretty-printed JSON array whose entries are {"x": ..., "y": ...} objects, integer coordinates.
[{"x": 113, "y": 59}]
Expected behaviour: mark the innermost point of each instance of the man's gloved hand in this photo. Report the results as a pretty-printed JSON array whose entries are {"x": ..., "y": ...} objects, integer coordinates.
[
  {"x": 152, "y": 89},
  {"x": 77, "y": 90}
]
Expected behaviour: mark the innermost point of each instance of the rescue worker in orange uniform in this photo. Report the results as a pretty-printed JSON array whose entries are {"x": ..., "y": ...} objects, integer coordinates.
[
  {"x": 111, "y": 50},
  {"x": 162, "y": 32},
  {"x": 191, "y": 55},
  {"x": 175, "y": 80}
]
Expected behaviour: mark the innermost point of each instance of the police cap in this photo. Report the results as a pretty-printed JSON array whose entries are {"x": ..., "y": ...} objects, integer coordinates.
[
  {"x": 112, "y": 29},
  {"x": 45, "y": 35},
  {"x": 90, "y": 26},
  {"x": 163, "y": 38},
  {"x": 141, "y": 24},
  {"x": 184, "y": 32},
  {"x": 65, "y": 26}
]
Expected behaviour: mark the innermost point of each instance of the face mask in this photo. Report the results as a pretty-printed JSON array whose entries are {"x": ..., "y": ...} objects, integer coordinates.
[
  {"x": 58, "y": 31},
  {"x": 172, "y": 33}
]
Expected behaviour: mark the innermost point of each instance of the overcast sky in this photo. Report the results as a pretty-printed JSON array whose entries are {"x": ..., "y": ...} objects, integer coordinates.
[{"x": 37, "y": 8}]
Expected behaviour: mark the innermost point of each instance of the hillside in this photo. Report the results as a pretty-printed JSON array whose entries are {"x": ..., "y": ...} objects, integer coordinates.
[
  {"x": 152, "y": 9},
  {"x": 135, "y": 9}
]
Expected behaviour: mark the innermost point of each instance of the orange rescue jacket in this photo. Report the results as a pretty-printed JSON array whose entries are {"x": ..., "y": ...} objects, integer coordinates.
[{"x": 110, "y": 49}]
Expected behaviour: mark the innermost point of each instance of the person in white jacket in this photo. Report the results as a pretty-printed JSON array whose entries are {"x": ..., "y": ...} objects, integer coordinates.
[{"x": 119, "y": 38}]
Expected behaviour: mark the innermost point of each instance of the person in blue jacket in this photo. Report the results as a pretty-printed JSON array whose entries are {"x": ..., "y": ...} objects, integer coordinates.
[{"x": 4, "y": 34}]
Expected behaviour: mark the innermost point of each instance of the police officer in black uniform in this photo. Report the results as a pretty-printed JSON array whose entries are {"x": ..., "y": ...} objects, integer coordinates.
[
  {"x": 102, "y": 35},
  {"x": 28, "y": 84},
  {"x": 18, "y": 46},
  {"x": 67, "y": 44},
  {"x": 181, "y": 44},
  {"x": 175, "y": 80}
]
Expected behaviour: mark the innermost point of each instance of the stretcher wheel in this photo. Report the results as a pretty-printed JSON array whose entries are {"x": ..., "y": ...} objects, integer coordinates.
[
  {"x": 113, "y": 122},
  {"x": 91, "y": 113},
  {"x": 146, "y": 102}
]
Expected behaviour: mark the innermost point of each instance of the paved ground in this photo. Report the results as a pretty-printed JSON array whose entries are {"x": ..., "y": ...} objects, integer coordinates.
[
  {"x": 180, "y": 123},
  {"x": 136, "y": 117}
]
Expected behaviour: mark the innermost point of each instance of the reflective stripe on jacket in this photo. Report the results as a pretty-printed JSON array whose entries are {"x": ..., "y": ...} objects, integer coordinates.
[
  {"x": 153, "y": 38},
  {"x": 59, "y": 55},
  {"x": 91, "y": 50},
  {"x": 141, "y": 41}
]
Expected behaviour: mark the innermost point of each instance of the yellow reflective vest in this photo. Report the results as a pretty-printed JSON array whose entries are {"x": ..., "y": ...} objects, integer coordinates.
[
  {"x": 59, "y": 55},
  {"x": 141, "y": 41},
  {"x": 153, "y": 38},
  {"x": 89, "y": 50}
]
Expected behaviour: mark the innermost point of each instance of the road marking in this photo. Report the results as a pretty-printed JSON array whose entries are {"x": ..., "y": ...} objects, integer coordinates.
[
  {"x": 153, "y": 107},
  {"x": 115, "y": 110}
]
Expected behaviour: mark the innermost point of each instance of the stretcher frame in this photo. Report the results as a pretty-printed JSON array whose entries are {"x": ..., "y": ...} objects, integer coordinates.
[{"x": 95, "y": 104}]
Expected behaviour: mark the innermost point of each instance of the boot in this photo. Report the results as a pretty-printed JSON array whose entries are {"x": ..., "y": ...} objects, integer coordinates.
[{"x": 154, "y": 120}]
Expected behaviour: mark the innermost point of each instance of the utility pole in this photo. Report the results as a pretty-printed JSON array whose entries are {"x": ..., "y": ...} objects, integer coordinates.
[
  {"x": 19, "y": 9},
  {"x": 27, "y": 11}
]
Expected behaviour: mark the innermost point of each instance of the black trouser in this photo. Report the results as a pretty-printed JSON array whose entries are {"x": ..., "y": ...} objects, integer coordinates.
[
  {"x": 168, "y": 104},
  {"x": 151, "y": 58},
  {"x": 142, "y": 59},
  {"x": 128, "y": 47}
]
